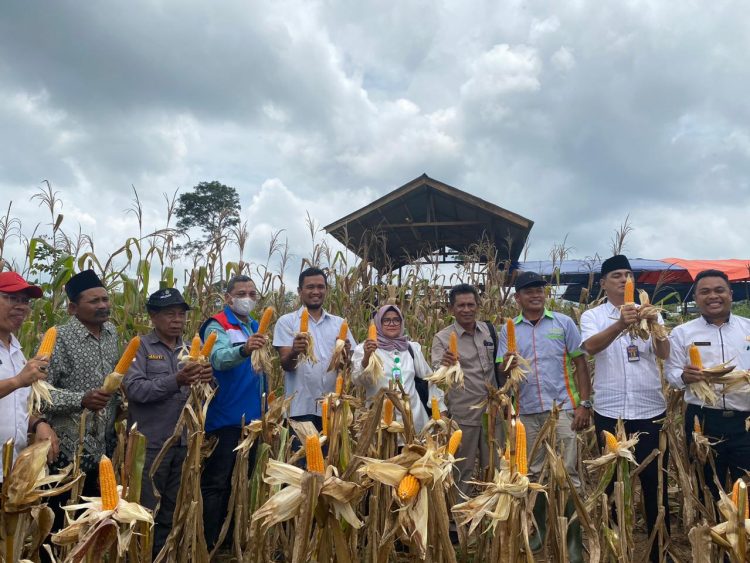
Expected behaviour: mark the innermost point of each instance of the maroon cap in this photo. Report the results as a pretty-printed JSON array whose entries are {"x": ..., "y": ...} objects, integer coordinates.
[{"x": 11, "y": 282}]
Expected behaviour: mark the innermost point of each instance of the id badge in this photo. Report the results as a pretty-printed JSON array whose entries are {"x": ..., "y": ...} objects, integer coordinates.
[{"x": 633, "y": 354}]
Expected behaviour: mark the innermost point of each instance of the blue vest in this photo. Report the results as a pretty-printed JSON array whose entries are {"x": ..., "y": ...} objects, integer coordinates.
[{"x": 240, "y": 389}]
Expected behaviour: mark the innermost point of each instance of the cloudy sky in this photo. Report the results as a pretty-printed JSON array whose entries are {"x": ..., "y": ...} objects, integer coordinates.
[{"x": 573, "y": 114}]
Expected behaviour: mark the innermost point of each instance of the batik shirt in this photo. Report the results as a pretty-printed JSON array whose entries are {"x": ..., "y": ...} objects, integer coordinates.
[{"x": 78, "y": 365}]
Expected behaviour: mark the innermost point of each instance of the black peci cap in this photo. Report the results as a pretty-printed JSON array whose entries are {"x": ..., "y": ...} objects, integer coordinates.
[{"x": 166, "y": 298}]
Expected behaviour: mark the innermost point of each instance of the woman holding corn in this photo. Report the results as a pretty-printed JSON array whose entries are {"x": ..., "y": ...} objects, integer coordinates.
[{"x": 400, "y": 358}]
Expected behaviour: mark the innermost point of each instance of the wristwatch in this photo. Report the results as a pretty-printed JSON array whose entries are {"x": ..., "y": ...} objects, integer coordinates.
[{"x": 586, "y": 404}]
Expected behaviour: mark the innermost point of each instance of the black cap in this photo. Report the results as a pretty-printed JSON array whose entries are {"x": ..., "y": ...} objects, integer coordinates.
[
  {"x": 81, "y": 282},
  {"x": 529, "y": 279},
  {"x": 166, "y": 298},
  {"x": 617, "y": 262}
]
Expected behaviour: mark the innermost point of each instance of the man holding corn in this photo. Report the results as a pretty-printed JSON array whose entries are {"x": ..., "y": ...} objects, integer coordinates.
[
  {"x": 627, "y": 384},
  {"x": 157, "y": 387},
  {"x": 17, "y": 374},
  {"x": 717, "y": 336},
  {"x": 551, "y": 344}
]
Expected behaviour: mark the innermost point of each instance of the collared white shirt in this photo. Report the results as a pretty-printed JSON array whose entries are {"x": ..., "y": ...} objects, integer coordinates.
[
  {"x": 623, "y": 389},
  {"x": 14, "y": 412},
  {"x": 309, "y": 382},
  {"x": 717, "y": 344}
]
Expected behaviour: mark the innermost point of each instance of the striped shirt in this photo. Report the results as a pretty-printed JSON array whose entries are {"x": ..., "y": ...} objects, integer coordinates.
[
  {"x": 548, "y": 346},
  {"x": 623, "y": 389},
  {"x": 717, "y": 344}
]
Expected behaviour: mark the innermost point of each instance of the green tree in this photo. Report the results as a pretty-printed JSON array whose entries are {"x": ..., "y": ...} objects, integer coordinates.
[{"x": 214, "y": 209}]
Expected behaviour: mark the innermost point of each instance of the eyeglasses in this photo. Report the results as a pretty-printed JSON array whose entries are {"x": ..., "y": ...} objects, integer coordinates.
[
  {"x": 15, "y": 299},
  {"x": 392, "y": 322}
]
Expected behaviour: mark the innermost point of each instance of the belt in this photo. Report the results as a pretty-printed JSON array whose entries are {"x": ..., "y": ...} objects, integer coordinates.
[{"x": 723, "y": 413}]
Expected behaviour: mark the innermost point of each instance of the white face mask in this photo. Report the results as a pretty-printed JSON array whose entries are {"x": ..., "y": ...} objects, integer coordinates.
[{"x": 242, "y": 305}]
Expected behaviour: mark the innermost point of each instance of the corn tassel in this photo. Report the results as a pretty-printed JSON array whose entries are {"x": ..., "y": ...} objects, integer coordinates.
[
  {"x": 611, "y": 442},
  {"x": 339, "y": 385},
  {"x": 208, "y": 345},
  {"x": 128, "y": 355},
  {"x": 324, "y": 416},
  {"x": 408, "y": 487},
  {"x": 511, "y": 330},
  {"x": 195, "y": 348},
  {"x": 343, "y": 331},
  {"x": 314, "y": 454},
  {"x": 48, "y": 343},
  {"x": 304, "y": 320},
  {"x": 372, "y": 332},
  {"x": 522, "y": 465},
  {"x": 695, "y": 356},
  {"x": 629, "y": 290},
  {"x": 387, "y": 412},
  {"x": 736, "y": 498},
  {"x": 265, "y": 320},
  {"x": 453, "y": 344},
  {"x": 107, "y": 484},
  {"x": 454, "y": 442},
  {"x": 435, "y": 409}
]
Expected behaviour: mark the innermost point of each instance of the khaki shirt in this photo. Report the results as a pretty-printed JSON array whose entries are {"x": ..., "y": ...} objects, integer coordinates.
[{"x": 476, "y": 356}]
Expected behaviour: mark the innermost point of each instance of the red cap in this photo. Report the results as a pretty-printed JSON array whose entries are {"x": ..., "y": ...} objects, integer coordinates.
[{"x": 11, "y": 282}]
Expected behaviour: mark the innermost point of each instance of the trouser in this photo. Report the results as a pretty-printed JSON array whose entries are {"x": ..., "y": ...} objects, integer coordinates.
[
  {"x": 166, "y": 480},
  {"x": 566, "y": 444},
  {"x": 216, "y": 480},
  {"x": 731, "y": 443},
  {"x": 649, "y": 476},
  {"x": 473, "y": 448}
]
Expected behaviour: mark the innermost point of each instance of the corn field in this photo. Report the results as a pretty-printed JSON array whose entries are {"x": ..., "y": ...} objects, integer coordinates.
[{"x": 376, "y": 490}]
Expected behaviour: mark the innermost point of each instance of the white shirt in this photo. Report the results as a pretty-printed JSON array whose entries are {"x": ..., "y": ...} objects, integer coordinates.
[
  {"x": 717, "y": 344},
  {"x": 14, "y": 412},
  {"x": 623, "y": 389},
  {"x": 418, "y": 367},
  {"x": 309, "y": 382}
]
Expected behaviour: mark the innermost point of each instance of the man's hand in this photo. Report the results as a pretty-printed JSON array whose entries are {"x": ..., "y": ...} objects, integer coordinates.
[
  {"x": 448, "y": 359},
  {"x": 513, "y": 362},
  {"x": 581, "y": 419},
  {"x": 255, "y": 342},
  {"x": 95, "y": 400},
  {"x": 206, "y": 374},
  {"x": 34, "y": 370},
  {"x": 628, "y": 315},
  {"x": 348, "y": 347},
  {"x": 188, "y": 374},
  {"x": 691, "y": 374},
  {"x": 299, "y": 345},
  {"x": 45, "y": 432}
]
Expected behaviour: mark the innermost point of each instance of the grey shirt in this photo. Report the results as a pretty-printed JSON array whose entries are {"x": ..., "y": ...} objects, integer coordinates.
[{"x": 155, "y": 400}]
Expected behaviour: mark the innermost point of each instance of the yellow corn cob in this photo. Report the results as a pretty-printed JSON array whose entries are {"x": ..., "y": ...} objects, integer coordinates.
[
  {"x": 314, "y": 454},
  {"x": 697, "y": 426},
  {"x": 511, "y": 330},
  {"x": 521, "y": 460},
  {"x": 339, "y": 385},
  {"x": 107, "y": 484},
  {"x": 408, "y": 487},
  {"x": 128, "y": 355},
  {"x": 48, "y": 343},
  {"x": 736, "y": 498},
  {"x": 611, "y": 441},
  {"x": 304, "y": 320},
  {"x": 343, "y": 331},
  {"x": 387, "y": 412},
  {"x": 454, "y": 442},
  {"x": 435, "y": 409},
  {"x": 208, "y": 345},
  {"x": 372, "y": 332},
  {"x": 271, "y": 397},
  {"x": 325, "y": 418},
  {"x": 453, "y": 344},
  {"x": 195, "y": 348},
  {"x": 629, "y": 290},
  {"x": 695, "y": 356},
  {"x": 265, "y": 320}
]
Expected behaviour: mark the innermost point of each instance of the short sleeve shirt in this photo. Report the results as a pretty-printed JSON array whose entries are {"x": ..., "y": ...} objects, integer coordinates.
[{"x": 14, "y": 412}]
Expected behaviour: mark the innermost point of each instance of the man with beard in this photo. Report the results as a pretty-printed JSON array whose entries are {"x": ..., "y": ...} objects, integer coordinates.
[
  {"x": 720, "y": 337},
  {"x": 238, "y": 396},
  {"x": 85, "y": 353},
  {"x": 308, "y": 382},
  {"x": 157, "y": 387},
  {"x": 17, "y": 374}
]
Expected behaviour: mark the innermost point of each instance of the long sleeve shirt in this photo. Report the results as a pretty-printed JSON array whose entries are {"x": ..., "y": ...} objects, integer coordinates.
[
  {"x": 155, "y": 400},
  {"x": 728, "y": 342},
  {"x": 79, "y": 364},
  {"x": 14, "y": 412},
  {"x": 410, "y": 368}
]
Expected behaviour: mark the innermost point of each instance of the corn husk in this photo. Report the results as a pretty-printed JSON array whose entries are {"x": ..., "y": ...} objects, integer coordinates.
[
  {"x": 309, "y": 354},
  {"x": 339, "y": 358},
  {"x": 374, "y": 370},
  {"x": 448, "y": 377},
  {"x": 39, "y": 396},
  {"x": 262, "y": 359}
]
